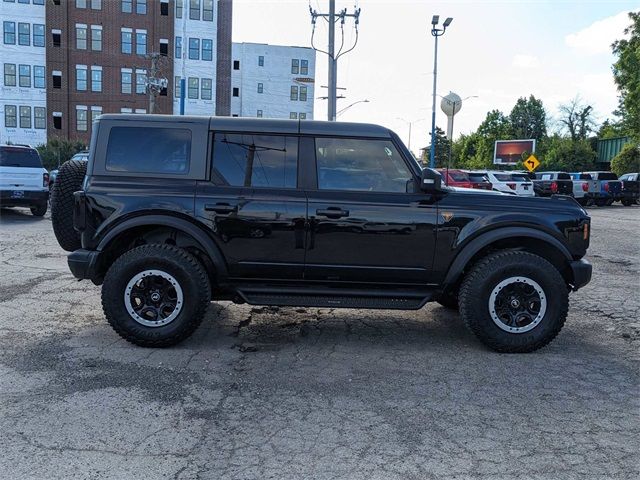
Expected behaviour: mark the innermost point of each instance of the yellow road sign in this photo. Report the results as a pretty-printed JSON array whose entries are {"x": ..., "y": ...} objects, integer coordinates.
[{"x": 532, "y": 163}]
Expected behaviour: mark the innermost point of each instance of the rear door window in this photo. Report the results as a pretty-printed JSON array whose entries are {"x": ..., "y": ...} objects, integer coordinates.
[
  {"x": 19, "y": 157},
  {"x": 360, "y": 165},
  {"x": 564, "y": 176},
  {"x": 255, "y": 160},
  {"x": 149, "y": 150},
  {"x": 607, "y": 176}
]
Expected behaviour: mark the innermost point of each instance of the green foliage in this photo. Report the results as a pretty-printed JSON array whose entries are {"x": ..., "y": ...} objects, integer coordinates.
[
  {"x": 56, "y": 151},
  {"x": 610, "y": 129},
  {"x": 628, "y": 160},
  {"x": 566, "y": 154},
  {"x": 626, "y": 73},
  {"x": 442, "y": 150},
  {"x": 528, "y": 119}
]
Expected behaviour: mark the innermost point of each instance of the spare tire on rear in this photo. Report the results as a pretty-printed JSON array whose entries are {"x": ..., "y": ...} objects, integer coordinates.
[{"x": 69, "y": 180}]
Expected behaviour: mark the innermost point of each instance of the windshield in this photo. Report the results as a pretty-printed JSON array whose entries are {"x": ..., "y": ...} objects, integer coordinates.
[{"x": 19, "y": 157}]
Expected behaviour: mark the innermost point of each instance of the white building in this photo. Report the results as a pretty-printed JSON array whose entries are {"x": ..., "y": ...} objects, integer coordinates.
[
  {"x": 195, "y": 40},
  {"x": 23, "y": 98},
  {"x": 272, "y": 81}
]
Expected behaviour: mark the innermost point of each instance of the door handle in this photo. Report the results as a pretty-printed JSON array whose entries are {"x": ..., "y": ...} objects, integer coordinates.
[
  {"x": 332, "y": 212},
  {"x": 221, "y": 208}
]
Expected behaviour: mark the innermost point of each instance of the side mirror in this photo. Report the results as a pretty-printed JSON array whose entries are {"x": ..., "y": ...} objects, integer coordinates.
[{"x": 430, "y": 181}]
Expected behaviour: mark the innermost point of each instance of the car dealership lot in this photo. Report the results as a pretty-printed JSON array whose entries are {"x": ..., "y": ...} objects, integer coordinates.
[{"x": 314, "y": 393}]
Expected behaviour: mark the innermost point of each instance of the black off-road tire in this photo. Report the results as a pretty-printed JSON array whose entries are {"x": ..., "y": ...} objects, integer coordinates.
[
  {"x": 69, "y": 180},
  {"x": 487, "y": 274},
  {"x": 449, "y": 300},
  {"x": 181, "y": 265},
  {"x": 39, "y": 210}
]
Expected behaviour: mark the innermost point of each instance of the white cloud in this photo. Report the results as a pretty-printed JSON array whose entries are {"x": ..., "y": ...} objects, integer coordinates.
[
  {"x": 598, "y": 37},
  {"x": 525, "y": 61}
]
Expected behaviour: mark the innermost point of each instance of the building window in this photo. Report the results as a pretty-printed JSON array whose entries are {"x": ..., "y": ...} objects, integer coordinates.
[
  {"x": 96, "y": 4},
  {"x": 302, "y": 116},
  {"x": 56, "y": 37},
  {"x": 95, "y": 113},
  {"x": 141, "y": 82},
  {"x": 57, "y": 120},
  {"x": 207, "y": 10},
  {"x": 126, "y": 110},
  {"x": 10, "y": 116},
  {"x": 164, "y": 8},
  {"x": 293, "y": 116},
  {"x": 81, "y": 78},
  {"x": 303, "y": 93},
  {"x": 81, "y": 119},
  {"x": 125, "y": 80},
  {"x": 126, "y": 6},
  {"x": 96, "y": 79},
  {"x": 38, "y": 76},
  {"x": 194, "y": 49},
  {"x": 40, "y": 118},
  {"x": 236, "y": 64},
  {"x": 164, "y": 47},
  {"x": 260, "y": 88},
  {"x": 10, "y": 74},
  {"x": 24, "y": 73},
  {"x": 38, "y": 2},
  {"x": 261, "y": 61},
  {"x": 259, "y": 114},
  {"x": 24, "y": 37},
  {"x": 207, "y": 49},
  {"x": 178, "y": 53},
  {"x": 140, "y": 110},
  {"x": 126, "y": 37},
  {"x": 25, "y": 116},
  {"x": 194, "y": 9},
  {"x": 96, "y": 38},
  {"x": 192, "y": 89},
  {"x": 177, "y": 89},
  {"x": 9, "y": 29},
  {"x": 141, "y": 42},
  {"x": 141, "y": 7},
  {"x": 56, "y": 76},
  {"x": 294, "y": 92},
  {"x": 81, "y": 3},
  {"x": 206, "y": 86},
  {"x": 304, "y": 67},
  {"x": 236, "y": 92},
  {"x": 179, "y": 8},
  {"x": 295, "y": 66},
  {"x": 81, "y": 36},
  {"x": 38, "y": 35}
]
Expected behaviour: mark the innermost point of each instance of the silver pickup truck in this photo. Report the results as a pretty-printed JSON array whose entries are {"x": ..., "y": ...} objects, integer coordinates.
[{"x": 585, "y": 189}]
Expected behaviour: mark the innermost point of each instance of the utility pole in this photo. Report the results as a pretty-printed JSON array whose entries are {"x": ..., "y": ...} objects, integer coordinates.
[
  {"x": 332, "y": 18},
  {"x": 155, "y": 84}
]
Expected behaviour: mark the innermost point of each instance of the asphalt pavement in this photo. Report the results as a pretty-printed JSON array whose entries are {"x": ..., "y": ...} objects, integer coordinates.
[{"x": 307, "y": 393}]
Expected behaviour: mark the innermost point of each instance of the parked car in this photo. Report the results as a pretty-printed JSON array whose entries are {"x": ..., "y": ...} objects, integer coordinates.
[
  {"x": 479, "y": 180},
  {"x": 82, "y": 156},
  {"x": 160, "y": 191},
  {"x": 455, "y": 178},
  {"x": 507, "y": 182},
  {"x": 546, "y": 184},
  {"x": 585, "y": 189},
  {"x": 24, "y": 182},
  {"x": 610, "y": 187},
  {"x": 630, "y": 189}
]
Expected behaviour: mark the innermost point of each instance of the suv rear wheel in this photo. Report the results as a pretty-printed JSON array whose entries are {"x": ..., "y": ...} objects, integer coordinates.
[
  {"x": 155, "y": 295},
  {"x": 514, "y": 301}
]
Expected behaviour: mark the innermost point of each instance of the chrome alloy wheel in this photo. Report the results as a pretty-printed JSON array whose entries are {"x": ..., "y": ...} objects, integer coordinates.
[
  {"x": 153, "y": 298},
  {"x": 517, "y": 304}
]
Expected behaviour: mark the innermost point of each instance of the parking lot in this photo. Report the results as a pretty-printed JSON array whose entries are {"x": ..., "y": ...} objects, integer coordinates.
[{"x": 307, "y": 393}]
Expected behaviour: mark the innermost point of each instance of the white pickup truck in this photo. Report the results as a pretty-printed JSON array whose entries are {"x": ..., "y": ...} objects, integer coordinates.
[{"x": 23, "y": 180}]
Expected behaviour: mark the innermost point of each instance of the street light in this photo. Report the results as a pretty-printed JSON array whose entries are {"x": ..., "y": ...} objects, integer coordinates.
[
  {"x": 436, "y": 32},
  {"x": 340, "y": 112},
  {"x": 410, "y": 122}
]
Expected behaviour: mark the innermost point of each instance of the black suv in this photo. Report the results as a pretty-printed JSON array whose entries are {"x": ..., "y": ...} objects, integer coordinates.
[{"x": 176, "y": 211}]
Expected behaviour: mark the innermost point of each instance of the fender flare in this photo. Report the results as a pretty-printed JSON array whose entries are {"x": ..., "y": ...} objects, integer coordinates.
[
  {"x": 474, "y": 246},
  {"x": 211, "y": 249}
]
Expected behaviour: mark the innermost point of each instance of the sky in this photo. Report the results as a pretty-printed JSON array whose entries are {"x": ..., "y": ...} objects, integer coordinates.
[{"x": 494, "y": 51}]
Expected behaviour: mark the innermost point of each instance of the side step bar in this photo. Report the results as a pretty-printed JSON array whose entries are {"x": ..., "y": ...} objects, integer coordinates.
[{"x": 335, "y": 298}]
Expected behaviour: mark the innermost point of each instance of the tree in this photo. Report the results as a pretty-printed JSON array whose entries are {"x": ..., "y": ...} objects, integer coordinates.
[
  {"x": 610, "y": 129},
  {"x": 528, "y": 119},
  {"x": 566, "y": 154},
  {"x": 442, "y": 150},
  {"x": 56, "y": 151},
  {"x": 627, "y": 161},
  {"x": 577, "y": 119},
  {"x": 626, "y": 73}
]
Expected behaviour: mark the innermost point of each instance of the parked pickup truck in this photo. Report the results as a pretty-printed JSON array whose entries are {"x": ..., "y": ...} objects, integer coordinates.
[
  {"x": 630, "y": 189},
  {"x": 585, "y": 188},
  {"x": 610, "y": 187},
  {"x": 551, "y": 183}
]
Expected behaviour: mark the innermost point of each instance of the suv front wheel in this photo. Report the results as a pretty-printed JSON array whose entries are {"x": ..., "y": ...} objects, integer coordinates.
[
  {"x": 514, "y": 301},
  {"x": 155, "y": 295}
]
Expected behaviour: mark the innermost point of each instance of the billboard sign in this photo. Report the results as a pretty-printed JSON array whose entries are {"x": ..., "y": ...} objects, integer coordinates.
[{"x": 509, "y": 152}]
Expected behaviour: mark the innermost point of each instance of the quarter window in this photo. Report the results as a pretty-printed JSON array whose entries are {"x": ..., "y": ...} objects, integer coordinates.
[
  {"x": 255, "y": 160},
  {"x": 149, "y": 150},
  {"x": 360, "y": 165}
]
